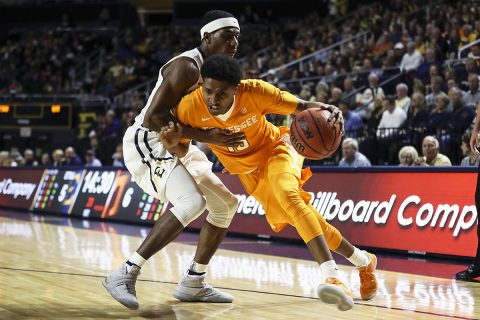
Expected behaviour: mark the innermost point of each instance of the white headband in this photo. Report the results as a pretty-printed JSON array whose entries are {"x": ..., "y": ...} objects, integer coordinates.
[{"x": 218, "y": 24}]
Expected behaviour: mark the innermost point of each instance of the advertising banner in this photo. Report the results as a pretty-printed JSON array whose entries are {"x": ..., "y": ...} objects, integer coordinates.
[
  {"x": 418, "y": 212},
  {"x": 18, "y": 187}
]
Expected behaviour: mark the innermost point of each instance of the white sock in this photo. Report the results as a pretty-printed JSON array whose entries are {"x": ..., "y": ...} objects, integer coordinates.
[
  {"x": 329, "y": 270},
  {"x": 135, "y": 259},
  {"x": 198, "y": 267},
  {"x": 359, "y": 258}
]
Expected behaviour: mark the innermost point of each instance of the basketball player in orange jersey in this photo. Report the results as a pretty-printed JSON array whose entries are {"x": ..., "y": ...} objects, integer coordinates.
[
  {"x": 268, "y": 166},
  {"x": 188, "y": 183}
]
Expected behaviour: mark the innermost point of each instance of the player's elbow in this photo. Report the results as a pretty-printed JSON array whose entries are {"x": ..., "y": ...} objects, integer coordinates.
[{"x": 155, "y": 121}]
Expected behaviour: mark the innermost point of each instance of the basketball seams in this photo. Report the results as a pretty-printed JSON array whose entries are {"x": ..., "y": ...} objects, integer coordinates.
[
  {"x": 301, "y": 139},
  {"x": 318, "y": 130},
  {"x": 302, "y": 129},
  {"x": 299, "y": 136}
]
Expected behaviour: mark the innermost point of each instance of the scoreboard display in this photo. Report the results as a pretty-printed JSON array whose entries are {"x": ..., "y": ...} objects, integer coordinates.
[
  {"x": 94, "y": 193},
  {"x": 35, "y": 115},
  {"x": 135, "y": 204},
  {"x": 58, "y": 190}
]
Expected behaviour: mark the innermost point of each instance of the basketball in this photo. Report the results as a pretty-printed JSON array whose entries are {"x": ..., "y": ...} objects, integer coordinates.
[{"x": 313, "y": 136}]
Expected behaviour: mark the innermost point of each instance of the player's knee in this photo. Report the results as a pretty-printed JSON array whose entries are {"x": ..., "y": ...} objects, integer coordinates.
[
  {"x": 189, "y": 207},
  {"x": 332, "y": 236},
  {"x": 223, "y": 218}
]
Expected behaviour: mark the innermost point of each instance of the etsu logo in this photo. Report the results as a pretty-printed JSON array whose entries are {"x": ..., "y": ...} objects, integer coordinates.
[
  {"x": 159, "y": 172},
  {"x": 304, "y": 127}
]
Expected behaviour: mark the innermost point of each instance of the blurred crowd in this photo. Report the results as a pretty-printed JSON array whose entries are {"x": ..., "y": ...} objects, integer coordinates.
[
  {"x": 102, "y": 146},
  {"x": 432, "y": 95}
]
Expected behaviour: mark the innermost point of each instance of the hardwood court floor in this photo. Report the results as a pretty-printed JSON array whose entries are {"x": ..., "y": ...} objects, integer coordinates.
[{"x": 52, "y": 269}]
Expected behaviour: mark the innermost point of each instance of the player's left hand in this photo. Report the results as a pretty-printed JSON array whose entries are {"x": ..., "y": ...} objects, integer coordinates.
[
  {"x": 170, "y": 135},
  {"x": 336, "y": 115}
]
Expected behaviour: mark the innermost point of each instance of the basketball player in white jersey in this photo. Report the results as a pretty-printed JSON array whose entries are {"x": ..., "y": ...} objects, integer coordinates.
[{"x": 189, "y": 185}]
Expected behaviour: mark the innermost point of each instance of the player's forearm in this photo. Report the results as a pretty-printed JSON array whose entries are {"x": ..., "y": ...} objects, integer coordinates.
[
  {"x": 194, "y": 134},
  {"x": 303, "y": 105}
]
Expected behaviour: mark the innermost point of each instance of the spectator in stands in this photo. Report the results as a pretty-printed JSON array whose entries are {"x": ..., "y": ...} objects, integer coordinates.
[
  {"x": 353, "y": 124},
  {"x": 431, "y": 153},
  {"x": 4, "y": 156},
  {"x": 438, "y": 43},
  {"x": 470, "y": 158},
  {"x": 417, "y": 118},
  {"x": 306, "y": 93},
  {"x": 388, "y": 131},
  {"x": 383, "y": 45},
  {"x": 392, "y": 118},
  {"x": 411, "y": 60},
  {"x": 436, "y": 90},
  {"x": 417, "y": 113},
  {"x": 399, "y": 51},
  {"x": 45, "y": 160},
  {"x": 376, "y": 115},
  {"x": 58, "y": 157},
  {"x": 336, "y": 96},
  {"x": 112, "y": 124},
  {"x": 462, "y": 115},
  {"x": 90, "y": 160},
  {"x": 452, "y": 83},
  {"x": 321, "y": 91},
  {"x": 434, "y": 71},
  {"x": 407, "y": 156},
  {"x": 71, "y": 158},
  {"x": 423, "y": 71},
  {"x": 454, "y": 42},
  {"x": 473, "y": 95},
  {"x": 470, "y": 67},
  {"x": 29, "y": 158},
  {"x": 420, "y": 44},
  {"x": 10, "y": 161},
  {"x": 474, "y": 52},
  {"x": 348, "y": 94},
  {"x": 368, "y": 96},
  {"x": 118, "y": 157},
  {"x": 439, "y": 120},
  {"x": 467, "y": 34},
  {"x": 116, "y": 67},
  {"x": 403, "y": 101},
  {"x": 351, "y": 156},
  {"x": 17, "y": 158},
  {"x": 128, "y": 118},
  {"x": 389, "y": 60}
]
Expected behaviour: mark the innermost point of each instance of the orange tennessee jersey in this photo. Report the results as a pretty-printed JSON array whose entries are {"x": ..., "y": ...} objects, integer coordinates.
[{"x": 253, "y": 100}]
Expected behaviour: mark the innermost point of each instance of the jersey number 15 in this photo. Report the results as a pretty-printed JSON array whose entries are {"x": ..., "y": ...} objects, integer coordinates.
[{"x": 240, "y": 147}]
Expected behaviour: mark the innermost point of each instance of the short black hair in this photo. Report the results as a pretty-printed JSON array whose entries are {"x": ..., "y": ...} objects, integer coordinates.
[
  {"x": 222, "y": 68},
  {"x": 214, "y": 15}
]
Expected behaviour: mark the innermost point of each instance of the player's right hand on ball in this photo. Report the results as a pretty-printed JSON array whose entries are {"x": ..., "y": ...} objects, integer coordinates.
[{"x": 224, "y": 137}]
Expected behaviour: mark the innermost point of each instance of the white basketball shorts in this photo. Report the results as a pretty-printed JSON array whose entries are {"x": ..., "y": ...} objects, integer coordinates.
[{"x": 150, "y": 163}]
